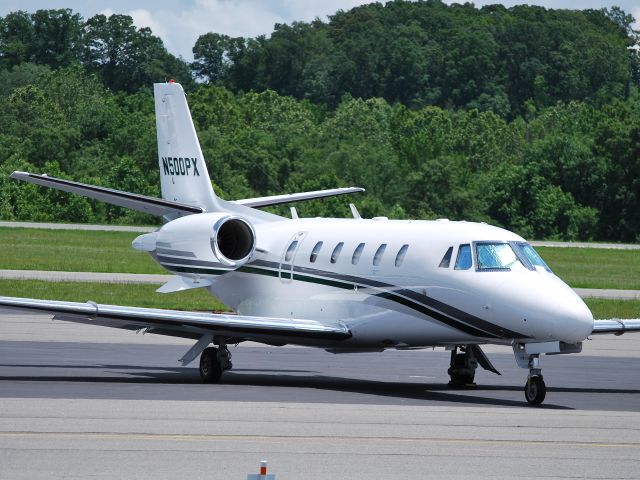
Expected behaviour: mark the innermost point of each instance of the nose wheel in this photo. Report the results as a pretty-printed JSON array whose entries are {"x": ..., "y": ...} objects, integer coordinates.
[{"x": 535, "y": 389}]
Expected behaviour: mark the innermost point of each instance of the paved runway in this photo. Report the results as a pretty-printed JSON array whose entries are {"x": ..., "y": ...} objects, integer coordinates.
[{"x": 81, "y": 401}]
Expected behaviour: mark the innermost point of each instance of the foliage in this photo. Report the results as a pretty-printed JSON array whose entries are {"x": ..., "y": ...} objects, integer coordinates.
[
  {"x": 428, "y": 53},
  {"x": 523, "y": 117}
]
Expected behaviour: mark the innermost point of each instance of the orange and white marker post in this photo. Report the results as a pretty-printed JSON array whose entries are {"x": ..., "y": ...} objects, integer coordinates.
[{"x": 263, "y": 475}]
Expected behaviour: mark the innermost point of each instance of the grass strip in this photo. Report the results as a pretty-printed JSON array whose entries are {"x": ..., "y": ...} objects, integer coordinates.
[
  {"x": 603, "y": 308},
  {"x": 594, "y": 267},
  {"x": 133, "y": 295},
  {"x": 199, "y": 299},
  {"x": 73, "y": 251},
  {"x": 99, "y": 251}
]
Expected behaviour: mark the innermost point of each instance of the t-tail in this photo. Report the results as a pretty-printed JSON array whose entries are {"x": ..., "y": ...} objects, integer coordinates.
[
  {"x": 184, "y": 179},
  {"x": 183, "y": 172}
]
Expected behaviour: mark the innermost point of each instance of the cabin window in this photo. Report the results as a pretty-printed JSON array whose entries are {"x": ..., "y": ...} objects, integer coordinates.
[
  {"x": 377, "y": 258},
  {"x": 495, "y": 256},
  {"x": 290, "y": 250},
  {"x": 336, "y": 252},
  {"x": 463, "y": 261},
  {"x": 446, "y": 260},
  {"x": 315, "y": 252},
  {"x": 356, "y": 254},
  {"x": 401, "y": 253}
]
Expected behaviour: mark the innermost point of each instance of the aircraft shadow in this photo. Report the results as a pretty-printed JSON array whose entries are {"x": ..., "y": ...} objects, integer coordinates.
[{"x": 301, "y": 379}]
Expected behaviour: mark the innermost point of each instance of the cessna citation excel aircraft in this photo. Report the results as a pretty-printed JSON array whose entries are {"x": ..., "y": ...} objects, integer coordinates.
[{"x": 344, "y": 285}]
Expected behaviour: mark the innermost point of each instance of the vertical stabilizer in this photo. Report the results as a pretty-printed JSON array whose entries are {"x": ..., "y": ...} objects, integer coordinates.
[{"x": 183, "y": 174}]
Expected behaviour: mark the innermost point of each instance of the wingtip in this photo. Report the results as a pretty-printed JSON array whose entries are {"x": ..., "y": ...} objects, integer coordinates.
[{"x": 18, "y": 174}]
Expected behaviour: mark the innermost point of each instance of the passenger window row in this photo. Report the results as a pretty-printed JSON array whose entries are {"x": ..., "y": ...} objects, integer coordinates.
[{"x": 357, "y": 253}]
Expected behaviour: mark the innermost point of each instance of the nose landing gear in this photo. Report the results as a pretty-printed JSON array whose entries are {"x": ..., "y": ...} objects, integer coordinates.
[
  {"x": 529, "y": 357},
  {"x": 535, "y": 389}
]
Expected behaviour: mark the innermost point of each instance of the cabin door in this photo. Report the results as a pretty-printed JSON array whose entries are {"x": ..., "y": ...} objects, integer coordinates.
[{"x": 285, "y": 272}]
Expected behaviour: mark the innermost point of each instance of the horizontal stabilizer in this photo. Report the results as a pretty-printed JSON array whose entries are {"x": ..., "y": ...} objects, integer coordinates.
[
  {"x": 179, "y": 284},
  {"x": 134, "y": 201},
  {"x": 184, "y": 324},
  {"x": 615, "y": 326},
  {"x": 297, "y": 197}
]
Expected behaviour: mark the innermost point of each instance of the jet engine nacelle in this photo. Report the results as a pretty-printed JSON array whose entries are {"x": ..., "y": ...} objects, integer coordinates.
[
  {"x": 233, "y": 240},
  {"x": 226, "y": 238}
]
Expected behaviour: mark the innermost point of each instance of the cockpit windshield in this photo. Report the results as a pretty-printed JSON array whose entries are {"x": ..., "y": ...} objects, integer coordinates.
[{"x": 495, "y": 256}]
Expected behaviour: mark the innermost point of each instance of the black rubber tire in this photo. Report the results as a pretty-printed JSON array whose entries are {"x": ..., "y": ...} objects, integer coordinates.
[
  {"x": 456, "y": 379},
  {"x": 535, "y": 390},
  {"x": 210, "y": 369}
]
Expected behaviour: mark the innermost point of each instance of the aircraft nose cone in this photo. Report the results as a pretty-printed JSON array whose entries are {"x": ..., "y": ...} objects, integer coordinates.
[{"x": 574, "y": 321}]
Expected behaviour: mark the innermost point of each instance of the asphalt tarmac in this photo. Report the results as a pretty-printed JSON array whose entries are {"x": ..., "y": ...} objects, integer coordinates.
[{"x": 89, "y": 402}]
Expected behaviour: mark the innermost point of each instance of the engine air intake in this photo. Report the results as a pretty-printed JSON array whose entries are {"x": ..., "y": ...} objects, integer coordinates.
[{"x": 233, "y": 240}]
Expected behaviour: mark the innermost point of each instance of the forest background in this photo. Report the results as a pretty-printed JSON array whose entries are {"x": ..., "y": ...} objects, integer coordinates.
[{"x": 523, "y": 117}]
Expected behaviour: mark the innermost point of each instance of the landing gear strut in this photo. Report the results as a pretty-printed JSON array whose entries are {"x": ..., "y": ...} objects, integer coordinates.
[
  {"x": 528, "y": 356},
  {"x": 214, "y": 361}
]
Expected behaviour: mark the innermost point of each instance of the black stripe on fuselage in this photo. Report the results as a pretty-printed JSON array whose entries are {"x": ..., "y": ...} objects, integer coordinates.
[
  {"x": 401, "y": 295},
  {"x": 419, "y": 302},
  {"x": 174, "y": 253},
  {"x": 163, "y": 259}
]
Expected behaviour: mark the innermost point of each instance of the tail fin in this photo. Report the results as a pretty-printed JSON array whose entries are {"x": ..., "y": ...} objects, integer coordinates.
[{"x": 183, "y": 174}]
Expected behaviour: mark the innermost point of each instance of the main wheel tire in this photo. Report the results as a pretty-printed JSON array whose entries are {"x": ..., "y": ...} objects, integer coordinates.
[
  {"x": 535, "y": 390},
  {"x": 210, "y": 369},
  {"x": 459, "y": 380}
]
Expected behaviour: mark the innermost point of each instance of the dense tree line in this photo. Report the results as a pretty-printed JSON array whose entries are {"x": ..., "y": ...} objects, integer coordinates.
[
  {"x": 428, "y": 53},
  {"x": 76, "y": 102}
]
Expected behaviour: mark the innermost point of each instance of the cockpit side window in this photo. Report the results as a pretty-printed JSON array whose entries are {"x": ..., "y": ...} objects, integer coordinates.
[
  {"x": 446, "y": 260},
  {"x": 464, "y": 261},
  {"x": 529, "y": 256}
]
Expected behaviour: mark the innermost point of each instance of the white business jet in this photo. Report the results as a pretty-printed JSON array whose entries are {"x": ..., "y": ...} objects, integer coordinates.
[{"x": 344, "y": 285}]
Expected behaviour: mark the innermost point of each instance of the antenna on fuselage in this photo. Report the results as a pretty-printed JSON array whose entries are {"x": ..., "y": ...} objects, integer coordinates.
[
  {"x": 294, "y": 213},
  {"x": 354, "y": 211}
]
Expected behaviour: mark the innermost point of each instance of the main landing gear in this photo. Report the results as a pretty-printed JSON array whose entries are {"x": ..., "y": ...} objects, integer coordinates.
[
  {"x": 214, "y": 361},
  {"x": 462, "y": 368}
]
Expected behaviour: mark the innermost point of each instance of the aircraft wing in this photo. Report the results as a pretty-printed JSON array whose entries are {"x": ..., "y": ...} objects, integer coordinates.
[
  {"x": 141, "y": 203},
  {"x": 182, "y": 324},
  {"x": 615, "y": 326},
  {"x": 296, "y": 197}
]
